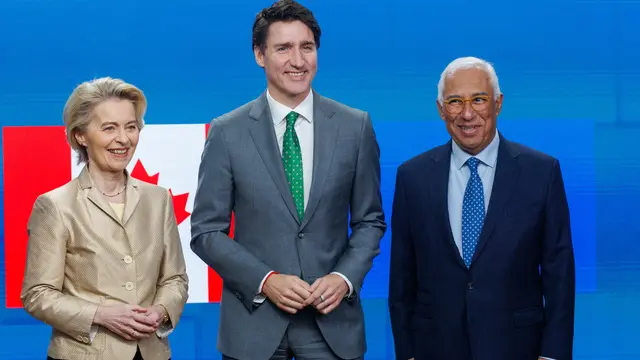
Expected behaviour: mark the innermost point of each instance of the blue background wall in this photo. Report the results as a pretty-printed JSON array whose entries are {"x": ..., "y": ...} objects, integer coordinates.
[{"x": 570, "y": 71}]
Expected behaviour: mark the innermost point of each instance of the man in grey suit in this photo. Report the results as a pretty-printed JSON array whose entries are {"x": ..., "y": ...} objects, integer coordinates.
[{"x": 295, "y": 168}]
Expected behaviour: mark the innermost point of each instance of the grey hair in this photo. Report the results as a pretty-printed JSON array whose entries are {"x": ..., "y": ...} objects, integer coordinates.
[
  {"x": 469, "y": 62},
  {"x": 78, "y": 111}
]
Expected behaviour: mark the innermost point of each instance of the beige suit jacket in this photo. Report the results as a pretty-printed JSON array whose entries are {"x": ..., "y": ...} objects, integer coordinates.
[{"x": 81, "y": 255}]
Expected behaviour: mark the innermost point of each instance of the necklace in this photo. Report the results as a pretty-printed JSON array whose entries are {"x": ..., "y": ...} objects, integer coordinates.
[
  {"x": 118, "y": 193},
  {"x": 114, "y": 195}
]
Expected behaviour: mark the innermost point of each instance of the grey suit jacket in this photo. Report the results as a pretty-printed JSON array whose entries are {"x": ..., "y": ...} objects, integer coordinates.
[{"x": 242, "y": 171}]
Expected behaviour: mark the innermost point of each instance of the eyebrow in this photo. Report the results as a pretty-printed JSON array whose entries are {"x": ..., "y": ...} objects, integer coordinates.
[
  {"x": 290, "y": 44},
  {"x": 116, "y": 124},
  {"x": 282, "y": 44},
  {"x": 472, "y": 95}
]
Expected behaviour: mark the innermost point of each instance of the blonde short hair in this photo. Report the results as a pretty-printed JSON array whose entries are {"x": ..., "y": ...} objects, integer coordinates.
[{"x": 78, "y": 111}]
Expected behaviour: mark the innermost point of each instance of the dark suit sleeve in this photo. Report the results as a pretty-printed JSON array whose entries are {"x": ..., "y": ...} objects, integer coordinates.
[
  {"x": 367, "y": 218},
  {"x": 558, "y": 273},
  {"x": 241, "y": 271},
  {"x": 402, "y": 275}
]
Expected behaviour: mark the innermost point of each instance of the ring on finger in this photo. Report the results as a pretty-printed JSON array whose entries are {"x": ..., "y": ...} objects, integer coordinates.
[{"x": 322, "y": 298}]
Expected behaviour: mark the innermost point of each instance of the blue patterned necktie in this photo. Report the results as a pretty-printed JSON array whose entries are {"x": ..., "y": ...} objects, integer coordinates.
[{"x": 472, "y": 212}]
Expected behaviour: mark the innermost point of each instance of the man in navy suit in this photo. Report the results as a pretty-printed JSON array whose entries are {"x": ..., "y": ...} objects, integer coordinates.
[{"x": 482, "y": 263}]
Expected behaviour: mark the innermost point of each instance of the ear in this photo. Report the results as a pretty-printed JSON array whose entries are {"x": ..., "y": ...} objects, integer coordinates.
[
  {"x": 440, "y": 110},
  {"x": 499, "y": 104},
  {"x": 81, "y": 139},
  {"x": 259, "y": 55}
]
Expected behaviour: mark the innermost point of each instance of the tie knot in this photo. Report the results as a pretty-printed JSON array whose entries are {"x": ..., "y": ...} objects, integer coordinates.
[
  {"x": 291, "y": 118},
  {"x": 472, "y": 163}
]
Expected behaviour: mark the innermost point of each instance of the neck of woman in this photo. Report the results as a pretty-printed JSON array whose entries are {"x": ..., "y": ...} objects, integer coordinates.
[{"x": 108, "y": 182}]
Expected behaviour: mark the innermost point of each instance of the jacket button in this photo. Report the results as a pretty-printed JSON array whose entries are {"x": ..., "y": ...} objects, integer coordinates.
[
  {"x": 300, "y": 236},
  {"x": 128, "y": 259},
  {"x": 470, "y": 286},
  {"x": 128, "y": 286}
]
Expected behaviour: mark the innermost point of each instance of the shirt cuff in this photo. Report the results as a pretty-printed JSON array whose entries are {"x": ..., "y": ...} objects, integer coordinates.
[
  {"x": 347, "y": 281},
  {"x": 93, "y": 332},
  {"x": 164, "y": 330},
  {"x": 260, "y": 298}
]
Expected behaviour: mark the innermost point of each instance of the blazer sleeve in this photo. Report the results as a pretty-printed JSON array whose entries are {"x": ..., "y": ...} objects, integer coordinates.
[
  {"x": 172, "y": 289},
  {"x": 402, "y": 275},
  {"x": 558, "y": 272},
  {"x": 240, "y": 270},
  {"x": 41, "y": 293},
  {"x": 367, "y": 217}
]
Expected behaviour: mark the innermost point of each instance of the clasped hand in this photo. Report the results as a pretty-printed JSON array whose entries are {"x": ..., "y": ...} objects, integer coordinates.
[
  {"x": 292, "y": 294},
  {"x": 131, "y": 322}
]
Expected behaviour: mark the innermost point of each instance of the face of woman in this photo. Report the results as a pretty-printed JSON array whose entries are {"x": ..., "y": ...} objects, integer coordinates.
[{"x": 112, "y": 136}]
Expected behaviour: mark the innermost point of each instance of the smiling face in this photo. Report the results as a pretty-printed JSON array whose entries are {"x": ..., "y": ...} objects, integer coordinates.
[
  {"x": 112, "y": 136},
  {"x": 469, "y": 109},
  {"x": 290, "y": 61}
]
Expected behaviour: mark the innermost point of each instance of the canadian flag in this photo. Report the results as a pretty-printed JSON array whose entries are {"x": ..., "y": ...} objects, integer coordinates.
[{"x": 39, "y": 159}]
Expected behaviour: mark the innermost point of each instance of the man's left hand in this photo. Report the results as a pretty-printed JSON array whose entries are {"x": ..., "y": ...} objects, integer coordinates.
[{"x": 327, "y": 293}]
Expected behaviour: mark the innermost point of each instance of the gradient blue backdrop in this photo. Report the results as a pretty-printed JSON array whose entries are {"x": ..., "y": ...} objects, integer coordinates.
[{"x": 570, "y": 71}]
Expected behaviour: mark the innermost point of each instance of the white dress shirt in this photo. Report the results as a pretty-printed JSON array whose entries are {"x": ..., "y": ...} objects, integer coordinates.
[
  {"x": 459, "y": 177},
  {"x": 304, "y": 131}
]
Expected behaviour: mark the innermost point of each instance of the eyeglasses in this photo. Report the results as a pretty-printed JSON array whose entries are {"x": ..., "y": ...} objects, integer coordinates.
[{"x": 455, "y": 105}]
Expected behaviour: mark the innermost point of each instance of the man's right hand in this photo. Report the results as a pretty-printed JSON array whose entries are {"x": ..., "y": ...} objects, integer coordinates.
[
  {"x": 128, "y": 321},
  {"x": 288, "y": 292}
]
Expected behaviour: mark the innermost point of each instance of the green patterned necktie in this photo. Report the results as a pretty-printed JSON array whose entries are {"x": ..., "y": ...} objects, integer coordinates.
[{"x": 292, "y": 157}]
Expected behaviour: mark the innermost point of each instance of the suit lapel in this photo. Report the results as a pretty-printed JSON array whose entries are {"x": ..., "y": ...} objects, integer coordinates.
[
  {"x": 131, "y": 200},
  {"x": 325, "y": 136},
  {"x": 95, "y": 197},
  {"x": 507, "y": 171},
  {"x": 99, "y": 201},
  {"x": 440, "y": 192},
  {"x": 264, "y": 137}
]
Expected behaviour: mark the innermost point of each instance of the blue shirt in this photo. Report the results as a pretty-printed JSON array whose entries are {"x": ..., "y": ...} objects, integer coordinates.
[{"x": 459, "y": 176}]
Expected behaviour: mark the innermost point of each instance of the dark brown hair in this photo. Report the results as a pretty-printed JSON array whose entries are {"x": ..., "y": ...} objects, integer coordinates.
[{"x": 286, "y": 11}]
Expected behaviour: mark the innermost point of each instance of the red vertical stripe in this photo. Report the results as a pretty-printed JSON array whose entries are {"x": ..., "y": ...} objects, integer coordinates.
[
  {"x": 36, "y": 160},
  {"x": 215, "y": 282}
]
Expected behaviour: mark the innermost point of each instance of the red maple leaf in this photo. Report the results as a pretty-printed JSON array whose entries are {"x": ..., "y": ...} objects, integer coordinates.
[
  {"x": 179, "y": 201},
  {"x": 180, "y": 206},
  {"x": 140, "y": 173}
]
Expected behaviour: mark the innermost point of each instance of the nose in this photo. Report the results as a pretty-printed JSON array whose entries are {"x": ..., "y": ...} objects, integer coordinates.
[
  {"x": 122, "y": 137},
  {"x": 467, "y": 112},
  {"x": 296, "y": 59}
]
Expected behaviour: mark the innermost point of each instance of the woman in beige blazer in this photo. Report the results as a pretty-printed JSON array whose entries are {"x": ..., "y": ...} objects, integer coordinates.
[{"x": 105, "y": 266}]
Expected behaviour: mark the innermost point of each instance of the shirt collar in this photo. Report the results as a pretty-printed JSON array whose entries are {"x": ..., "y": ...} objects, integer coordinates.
[
  {"x": 280, "y": 111},
  {"x": 488, "y": 155}
]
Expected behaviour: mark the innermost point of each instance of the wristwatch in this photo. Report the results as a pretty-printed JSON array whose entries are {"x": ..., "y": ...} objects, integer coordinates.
[{"x": 165, "y": 318}]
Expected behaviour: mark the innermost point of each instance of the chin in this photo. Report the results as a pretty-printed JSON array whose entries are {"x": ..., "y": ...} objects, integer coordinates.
[
  {"x": 297, "y": 92},
  {"x": 119, "y": 166},
  {"x": 297, "y": 88}
]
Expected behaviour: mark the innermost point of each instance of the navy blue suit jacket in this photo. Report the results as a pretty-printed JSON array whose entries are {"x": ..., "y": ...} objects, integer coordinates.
[{"x": 516, "y": 301}]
